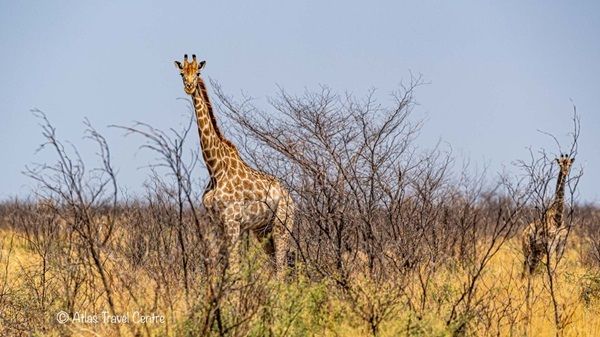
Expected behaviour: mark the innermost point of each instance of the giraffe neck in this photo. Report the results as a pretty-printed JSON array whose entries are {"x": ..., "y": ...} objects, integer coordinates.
[
  {"x": 558, "y": 204},
  {"x": 215, "y": 148}
]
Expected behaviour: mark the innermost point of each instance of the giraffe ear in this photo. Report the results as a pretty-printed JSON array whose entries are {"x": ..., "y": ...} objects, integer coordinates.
[
  {"x": 572, "y": 160},
  {"x": 178, "y": 65},
  {"x": 201, "y": 65}
]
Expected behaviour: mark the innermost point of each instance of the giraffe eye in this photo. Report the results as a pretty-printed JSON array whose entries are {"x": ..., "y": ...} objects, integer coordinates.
[{"x": 181, "y": 74}]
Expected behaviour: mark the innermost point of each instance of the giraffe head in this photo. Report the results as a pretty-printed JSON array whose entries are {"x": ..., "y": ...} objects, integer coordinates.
[
  {"x": 190, "y": 73},
  {"x": 565, "y": 162}
]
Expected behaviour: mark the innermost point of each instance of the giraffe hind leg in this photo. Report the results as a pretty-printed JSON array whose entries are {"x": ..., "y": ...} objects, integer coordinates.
[
  {"x": 531, "y": 251},
  {"x": 265, "y": 237},
  {"x": 282, "y": 236}
]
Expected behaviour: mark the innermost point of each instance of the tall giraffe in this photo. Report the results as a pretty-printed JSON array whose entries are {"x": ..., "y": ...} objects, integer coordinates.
[
  {"x": 237, "y": 197},
  {"x": 549, "y": 234}
]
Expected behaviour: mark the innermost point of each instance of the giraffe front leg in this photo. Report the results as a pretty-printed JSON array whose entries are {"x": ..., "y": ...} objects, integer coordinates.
[
  {"x": 561, "y": 242},
  {"x": 233, "y": 238}
]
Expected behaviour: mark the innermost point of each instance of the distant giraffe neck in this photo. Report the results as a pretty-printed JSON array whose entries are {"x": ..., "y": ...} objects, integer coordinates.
[
  {"x": 558, "y": 204},
  {"x": 215, "y": 148}
]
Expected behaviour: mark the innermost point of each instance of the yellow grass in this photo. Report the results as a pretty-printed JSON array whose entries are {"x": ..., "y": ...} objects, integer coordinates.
[{"x": 303, "y": 308}]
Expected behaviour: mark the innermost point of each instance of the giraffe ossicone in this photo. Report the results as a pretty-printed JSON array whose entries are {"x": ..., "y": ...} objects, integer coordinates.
[{"x": 237, "y": 197}]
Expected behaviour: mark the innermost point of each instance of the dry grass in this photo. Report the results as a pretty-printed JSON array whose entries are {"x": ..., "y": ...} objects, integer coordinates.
[{"x": 305, "y": 307}]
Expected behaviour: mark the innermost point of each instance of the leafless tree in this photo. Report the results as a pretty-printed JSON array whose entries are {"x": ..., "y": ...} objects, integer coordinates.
[{"x": 391, "y": 229}]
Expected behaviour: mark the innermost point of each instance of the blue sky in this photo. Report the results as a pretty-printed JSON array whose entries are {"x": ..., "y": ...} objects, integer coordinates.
[{"x": 497, "y": 71}]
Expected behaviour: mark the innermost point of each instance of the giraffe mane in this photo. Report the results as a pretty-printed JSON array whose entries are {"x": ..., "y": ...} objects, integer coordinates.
[{"x": 213, "y": 120}]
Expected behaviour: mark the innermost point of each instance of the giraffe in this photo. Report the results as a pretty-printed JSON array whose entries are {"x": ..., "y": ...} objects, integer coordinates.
[
  {"x": 549, "y": 234},
  {"x": 237, "y": 197}
]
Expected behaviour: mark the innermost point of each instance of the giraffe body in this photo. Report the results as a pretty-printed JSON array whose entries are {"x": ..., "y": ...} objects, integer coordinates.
[
  {"x": 238, "y": 197},
  {"x": 548, "y": 235}
]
